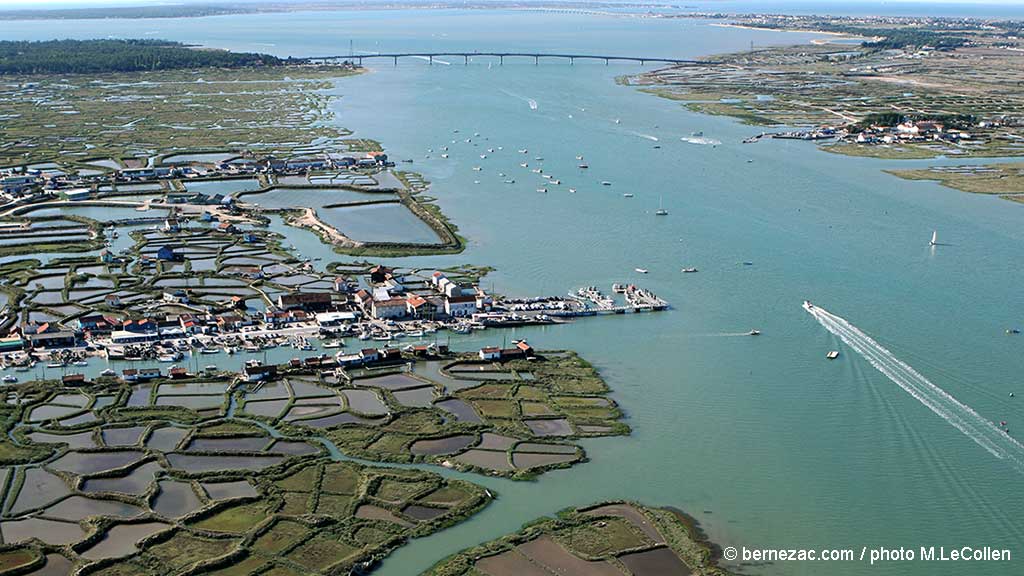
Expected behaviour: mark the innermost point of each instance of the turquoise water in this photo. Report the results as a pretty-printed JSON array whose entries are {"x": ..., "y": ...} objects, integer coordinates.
[{"x": 765, "y": 442}]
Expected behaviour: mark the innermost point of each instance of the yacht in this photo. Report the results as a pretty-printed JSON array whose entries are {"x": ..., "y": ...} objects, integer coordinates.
[{"x": 935, "y": 238}]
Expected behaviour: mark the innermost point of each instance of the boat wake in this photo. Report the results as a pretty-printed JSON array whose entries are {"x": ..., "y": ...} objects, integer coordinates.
[
  {"x": 435, "y": 60},
  {"x": 530, "y": 101},
  {"x": 701, "y": 140},
  {"x": 647, "y": 136},
  {"x": 961, "y": 416}
]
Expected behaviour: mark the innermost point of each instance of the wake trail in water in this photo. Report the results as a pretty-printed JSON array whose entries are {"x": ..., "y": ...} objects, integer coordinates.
[
  {"x": 961, "y": 416},
  {"x": 530, "y": 101},
  {"x": 647, "y": 136}
]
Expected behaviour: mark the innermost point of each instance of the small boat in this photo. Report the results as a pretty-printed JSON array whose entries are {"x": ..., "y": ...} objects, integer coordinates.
[
  {"x": 210, "y": 369},
  {"x": 482, "y": 156},
  {"x": 542, "y": 190},
  {"x": 166, "y": 358},
  {"x": 108, "y": 372},
  {"x": 10, "y": 379},
  {"x": 512, "y": 181},
  {"x": 524, "y": 165},
  {"x": 556, "y": 181},
  {"x": 754, "y": 332},
  {"x": 627, "y": 195},
  {"x": 579, "y": 157},
  {"x": 605, "y": 183},
  {"x": 80, "y": 363},
  {"x": 832, "y": 355},
  {"x": 583, "y": 166},
  {"x": 698, "y": 134},
  {"x": 539, "y": 158},
  {"x": 55, "y": 365},
  {"x": 660, "y": 211},
  {"x": 617, "y": 120},
  {"x": 523, "y": 151},
  {"x": 477, "y": 168},
  {"x": 490, "y": 150},
  {"x": 935, "y": 238},
  {"x": 208, "y": 351},
  {"x": 1013, "y": 331},
  {"x": 689, "y": 270},
  {"x": 332, "y": 344},
  {"x": 572, "y": 190},
  {"x": 641, "y": 270},
  {"x": 444, "y": 155}
]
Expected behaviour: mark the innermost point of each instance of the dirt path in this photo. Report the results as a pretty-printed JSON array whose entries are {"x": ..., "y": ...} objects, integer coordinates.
[{"x": 310, "y": 220}]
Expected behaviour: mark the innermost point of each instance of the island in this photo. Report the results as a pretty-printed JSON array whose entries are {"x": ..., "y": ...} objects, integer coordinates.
[
  {"x": 879, "y": 87},
  {"x": 608, "y": 539}
]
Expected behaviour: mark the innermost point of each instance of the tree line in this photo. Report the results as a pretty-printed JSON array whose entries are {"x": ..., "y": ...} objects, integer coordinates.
[{"x": 94, "y": 56}]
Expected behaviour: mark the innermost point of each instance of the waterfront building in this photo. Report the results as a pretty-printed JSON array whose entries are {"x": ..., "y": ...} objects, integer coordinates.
[
  {"x": 389, "y": 308},
  {"x": 460, "y": 306}
]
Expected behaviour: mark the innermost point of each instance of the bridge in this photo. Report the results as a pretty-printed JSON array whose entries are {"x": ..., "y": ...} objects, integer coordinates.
[{"x": 536, "y": 56}]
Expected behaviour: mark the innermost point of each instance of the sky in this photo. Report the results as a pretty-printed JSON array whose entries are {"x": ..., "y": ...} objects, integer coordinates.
[{"x": 700, "y": 4}]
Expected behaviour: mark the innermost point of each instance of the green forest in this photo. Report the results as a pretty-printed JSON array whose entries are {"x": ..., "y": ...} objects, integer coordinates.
[{"x": 94, "y": 56}]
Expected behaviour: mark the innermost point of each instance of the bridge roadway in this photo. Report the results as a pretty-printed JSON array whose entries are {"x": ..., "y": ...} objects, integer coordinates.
[{"x": 502, "y": 55}]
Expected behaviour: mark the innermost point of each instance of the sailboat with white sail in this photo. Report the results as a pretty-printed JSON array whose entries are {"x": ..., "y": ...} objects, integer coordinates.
[{"x": 935, "y": 238}]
